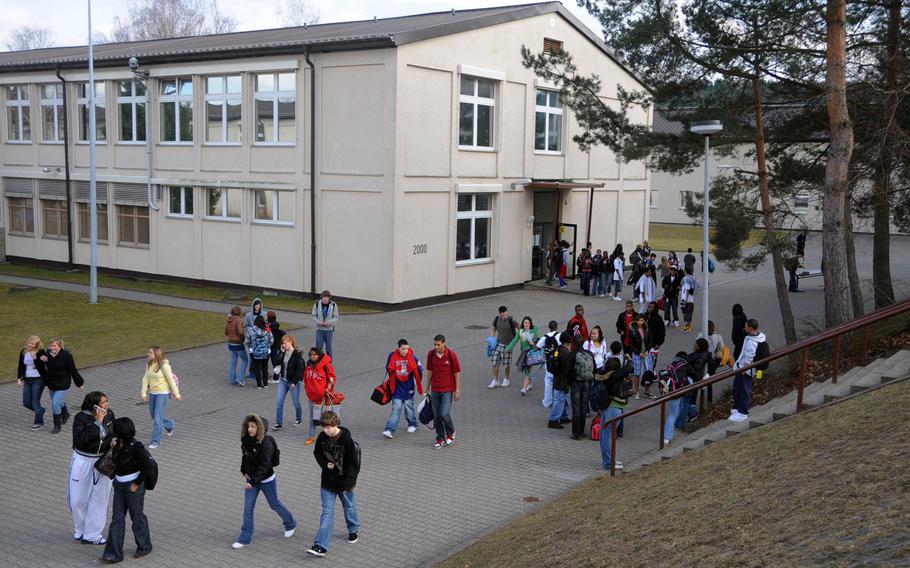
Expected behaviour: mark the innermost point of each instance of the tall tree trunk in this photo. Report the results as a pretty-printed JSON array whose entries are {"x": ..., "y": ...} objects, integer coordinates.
[
  {"x": 834, "y": 251},
  {"x": 771, "y": 233},
  {"x": 881, "y": 239},
  {"x": 856, "y": 292}
]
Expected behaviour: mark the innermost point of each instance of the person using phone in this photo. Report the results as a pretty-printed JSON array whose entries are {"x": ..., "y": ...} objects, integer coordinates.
[{"x": 90, "y": 492}]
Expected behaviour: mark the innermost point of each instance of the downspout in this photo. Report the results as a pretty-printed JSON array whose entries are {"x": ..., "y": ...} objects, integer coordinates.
[
  {"x": 306, "y": 56},
  {"x": 66, "y": 169},
  {"x": 590, "y": 212}
]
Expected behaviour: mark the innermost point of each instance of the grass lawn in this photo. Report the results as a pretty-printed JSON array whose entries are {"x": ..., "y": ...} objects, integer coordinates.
[
  {"x": 664, "y": 237},
  {"x": 827, "y": 488},
  {"x": 211, "y": 293},
  {"x": 109, "y": 331}
]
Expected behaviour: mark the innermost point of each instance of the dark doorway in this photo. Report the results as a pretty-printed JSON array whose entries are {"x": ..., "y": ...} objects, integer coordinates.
[
  {"x": 544, "y": 231},
  {"x": 568, "y": 232}
]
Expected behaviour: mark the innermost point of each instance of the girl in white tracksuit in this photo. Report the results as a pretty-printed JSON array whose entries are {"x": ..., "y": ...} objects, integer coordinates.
[{"x": 89, "y": 490}]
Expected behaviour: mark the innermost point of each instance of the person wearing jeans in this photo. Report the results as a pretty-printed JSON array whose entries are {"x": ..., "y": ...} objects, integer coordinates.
[
  {"x": 131, "y": 467},
  {"x": 60, "y": 372},
  {"x": 606, "y": 436},
  {"x": 158, "y": 384},
  {"x": 290, "y": 373},
  {"x": 444, "y": 385},
  {"x": 30, "y": 377},
  {"x": 405, "y": 376},
  {"x": 325, "y": 316},
  {"x": 234, "y": 330},
  {"x": 562, "y": 379}
]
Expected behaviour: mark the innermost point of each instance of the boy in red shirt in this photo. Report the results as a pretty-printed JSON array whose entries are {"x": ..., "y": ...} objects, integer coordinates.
[
  {"x": 404, "y": 375},
  {"x": 444, "y": 385}
]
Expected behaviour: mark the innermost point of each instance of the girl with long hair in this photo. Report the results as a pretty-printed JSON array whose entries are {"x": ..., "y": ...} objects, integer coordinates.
[
  {"x": 158, "y": 385},
  {"x": 30, "y": 377}
]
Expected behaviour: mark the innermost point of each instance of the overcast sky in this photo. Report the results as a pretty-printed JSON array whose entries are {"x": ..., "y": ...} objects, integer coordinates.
[{"x": 68, "y": 22}]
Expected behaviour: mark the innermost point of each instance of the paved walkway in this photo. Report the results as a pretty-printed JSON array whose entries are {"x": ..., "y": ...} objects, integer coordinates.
[{"x": 417, "y": 505}]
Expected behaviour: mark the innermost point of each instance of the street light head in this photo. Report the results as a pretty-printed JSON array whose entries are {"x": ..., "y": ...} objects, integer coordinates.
[
  {"x": 134, "y": 63},
  {"x": 706, "y": 127}
]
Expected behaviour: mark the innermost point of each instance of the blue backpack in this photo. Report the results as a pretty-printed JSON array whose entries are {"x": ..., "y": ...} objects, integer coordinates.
[{"x": 260, "y": 345}]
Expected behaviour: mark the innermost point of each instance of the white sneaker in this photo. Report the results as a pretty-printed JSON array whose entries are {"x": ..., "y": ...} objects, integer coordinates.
[
  {"x": 505, "y": 383},
  {"x": 152, "y": 446},
  {"x": 618, "y": 465},
  {"x": 739, "y": 417},
  {"x": 237, "y": 545},
  {"x": 290, "y": 533},
  {"x": 493, "y": 384},
  {"x": 666, "y": 442},
  {"x": 530, "y": 386},
  {"x": 388, "y": 434},
  {"x": 412, "y": 429}
]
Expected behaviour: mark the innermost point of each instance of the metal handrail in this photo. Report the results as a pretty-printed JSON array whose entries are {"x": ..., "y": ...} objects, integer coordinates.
[{"x": 802, "y": 346}]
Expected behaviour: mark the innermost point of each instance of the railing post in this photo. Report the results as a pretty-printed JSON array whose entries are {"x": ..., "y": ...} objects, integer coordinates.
[
  {"x": 865, "y": 345},
  {"x": 836, "y": 359},
  {"x": 803, "y": 368},
  {"x": 663, "y": 421},
  {"x": 613, "y": 428}
]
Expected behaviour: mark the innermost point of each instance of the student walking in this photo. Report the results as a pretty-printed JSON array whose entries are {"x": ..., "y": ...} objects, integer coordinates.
[
  {"x": 319, "y": 384},
  {"x": 444, "y": 386},
  {"x": 549, "y": 343},
  {"x": 60, "y": 372},
  {"x": 158, "y": 385},
  {"x": 338, "y": 455},
  {"x": 405, "y": 376},
  {"x": 260, "y": 458},
  {"x": 742, "y": 382},
  {"x": 325, "y": 315},
  {"x": 563, "y": 374},
  {"x": 236, "y": 334},
  {"x": 259, "y": 344},
  {"x": 689, "y": 262},
  {"x": 671, "y": 285},
  {"x": 504, "y": 329},
  {"x": 526, "y": 339},
  {"x": 687, "y": 300},
  {"x": 271, "y": 323},
  {"x": 132, "y": 465},
  {"x": 89, "y": 492},
  {"x": 30, "y": 378},
  {"x": 647, "y": 286},
  {"x": 290, "y": 373}
]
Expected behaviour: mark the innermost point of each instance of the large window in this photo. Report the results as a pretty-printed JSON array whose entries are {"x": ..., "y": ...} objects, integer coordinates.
[
  {"x": 180, "y": 201},
  {"x": 100, "y": 117},
  {"x": 54, "y": 215},
  {"x": 52, "y": 112},
  {"x": 84, "y": 223},
  {"x": 132, "y": 225},
  {"x": 475, "y": 113},
  {"x": 176, "y": 109},
  {"x": 223, "y": 203},
  {"x": 548, "y": 122},
  {"x": 222, "y": 109},
  {"x": 475, "y": 212},
  {"x": 275, "y": 119},
  {"x": 131, "y": 105},
  {"x": 21, "y": 216},
  {"x": 274, "y": 206},
  {"x": 18, "y": 117}
]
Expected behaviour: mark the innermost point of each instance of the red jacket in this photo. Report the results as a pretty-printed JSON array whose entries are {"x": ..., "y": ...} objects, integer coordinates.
[
  {"x": 411, "y": 366},
  {"x": 319, "y": 379},
  {"x": 578, "y": 326}
]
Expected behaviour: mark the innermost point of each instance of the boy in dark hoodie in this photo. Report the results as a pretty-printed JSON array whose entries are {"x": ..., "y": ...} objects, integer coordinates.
[{"x": 339, "y": 457}]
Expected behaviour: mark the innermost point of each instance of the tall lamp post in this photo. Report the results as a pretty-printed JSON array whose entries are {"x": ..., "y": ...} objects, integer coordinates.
[
  {"x": 93, "y": 185},
  {"x": 705, "y": 128}
]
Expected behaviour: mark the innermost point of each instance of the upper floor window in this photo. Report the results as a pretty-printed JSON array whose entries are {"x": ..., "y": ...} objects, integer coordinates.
[
  {"x": 223, "y": 203},
  {"x": 274, "y": 206},
  {"x": 21, "y": 216},
  {"x": 52, "y": 112},
  {"x": 552, "y": 45},
  {"x": 222, "y": 109},
  {"x": 476, "y": 103},
  {"x": 131, "y": 105},
  {"x": 548, "y": 122},
  {"x": 83, "y": 109},
  {"x": 176, "y": 109},
  {"x": 18, "y": 116},
  {"x": 275, "y": 108},
  {"x": 472, "y": 229},
  {"x": 180, "y": 202}
]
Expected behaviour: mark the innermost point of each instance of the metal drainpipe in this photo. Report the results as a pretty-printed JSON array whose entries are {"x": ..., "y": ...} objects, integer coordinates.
[
  {"x": 306, "y": 56},
  {"x": 66, "y": 169}
]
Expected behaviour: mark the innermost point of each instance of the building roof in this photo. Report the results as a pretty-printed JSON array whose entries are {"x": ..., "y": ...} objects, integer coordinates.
[{"x": 340, "y": 36}]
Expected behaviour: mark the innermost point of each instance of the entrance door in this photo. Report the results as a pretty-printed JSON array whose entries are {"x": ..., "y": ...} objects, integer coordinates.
[
  {"x": 540, "y": 241},
  {"x": 568, "y": 232}
]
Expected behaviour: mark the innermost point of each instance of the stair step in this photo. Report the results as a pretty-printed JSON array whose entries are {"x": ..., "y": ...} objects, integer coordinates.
[
  {"x": 854, "y": 389},
  {"x": 688, "y": 449},
  {"x": 730, "y": 433},
  {"x": 780, "y": 416},
  {"x": 708, "y": 441},
  {"x": 829, "y": 398}
]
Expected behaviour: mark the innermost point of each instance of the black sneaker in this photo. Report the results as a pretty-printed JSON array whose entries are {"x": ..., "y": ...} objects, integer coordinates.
[
  {"x": 276, "y": 427},
  {"x": 555, "y": 425},
  {"x": 316, "y": 550},
  {"x": 298, "y": 422},
  {"x": 565, "y": 421},
  {"x": 352, "y": 538}
]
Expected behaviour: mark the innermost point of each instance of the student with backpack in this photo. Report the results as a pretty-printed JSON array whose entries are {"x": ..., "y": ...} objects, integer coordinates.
[
  {"x": 585, "y": 366},
  {"x": 687, "y": 300},
  {"x": 325, "y": 316},
  {"x": 755, "y": 348},
  {"x": 134, "y": 472},
  {"x": 444, "y": 386},
  {"x": 563, "y": 369},
  {"x": 609, "y": 396},
  {"x": 526, "y": 339},
  {"x": 698, "y": 370},
  {"x": 405, "y": 375},
  {"x": 259, "y": 343},
  {"x": 260, "y": 458},
  {"x": 338, "y": 455},
  {"x": 675, "y": 377},
  {"x": 319, "y": 384},
  {"x": 504, "y": 330},
  {"x": 549, "y": 343}
]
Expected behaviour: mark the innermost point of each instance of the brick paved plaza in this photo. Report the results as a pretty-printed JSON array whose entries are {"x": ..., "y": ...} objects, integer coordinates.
[{"x": 417, "y": 505}]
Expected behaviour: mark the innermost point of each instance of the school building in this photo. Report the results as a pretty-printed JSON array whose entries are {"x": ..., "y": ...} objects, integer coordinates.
[{"x": 388, "y": 160}]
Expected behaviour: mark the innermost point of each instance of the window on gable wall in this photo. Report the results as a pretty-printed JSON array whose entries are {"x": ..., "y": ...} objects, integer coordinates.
[
  {"x": 476, "y": 103},
  {"x": 548, "y": 122}
]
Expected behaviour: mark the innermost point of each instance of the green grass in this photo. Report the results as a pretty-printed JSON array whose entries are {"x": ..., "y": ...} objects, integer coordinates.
[
  {"x": 664, "y": 237},
  {"x": 111, "y": 330},
  {"x": 195, "y": 292},
  {"x": 827, "y": 488}
]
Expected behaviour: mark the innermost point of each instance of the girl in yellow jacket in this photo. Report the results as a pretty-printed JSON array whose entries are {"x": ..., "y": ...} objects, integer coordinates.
[{"x": 157, "y": 386}]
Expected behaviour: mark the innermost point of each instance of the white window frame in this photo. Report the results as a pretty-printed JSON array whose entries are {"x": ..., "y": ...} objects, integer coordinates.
[
  {"x": 473, "y": 215},
  {"x": 100, "y": 102},
  {"x": 276, "y": 210},
  {"x": 56, "y": 105},
  {"x": 477, "y": 101},
  {"x": 548, "y": 111},
  {"x": 274, "y": 97},
  {"x": 224, "y": 205},
  {"x": 223, "y": 99},
  {"x": 30, "y": 205},
  {"x": 682, "y": 197},
  {"x": 653, "y": 199},
  {"x": 132, "y": 100},
  {"x": 24, "y": 101},
  {"x": 175, "y": 99},
  {"x": 798, "y": 207},
  {"x": 184, "y": 191}
]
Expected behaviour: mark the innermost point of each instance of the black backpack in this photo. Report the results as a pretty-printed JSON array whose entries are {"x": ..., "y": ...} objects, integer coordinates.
[
  {"x": 762, "y": 351},
  {"x": 151, "y": 475},
  {"x": 598, "y": 396},
  {"x": 550, "y": 347},
  {"x": 557, "y": 257}
]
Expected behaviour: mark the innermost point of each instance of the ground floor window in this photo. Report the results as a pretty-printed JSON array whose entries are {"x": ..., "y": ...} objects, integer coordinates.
[
  {"x": 132, "y": 225},
  {"x": 473, "y": 221},
  {"x": 21, "y": 216},
  {"x": 223, "y": 203},
  {"x": 55, "y": 218},
  {"x": 180, "y": 202},
  {"x": 85, "y": 229},
  {"x": 274, "y": 206}
]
